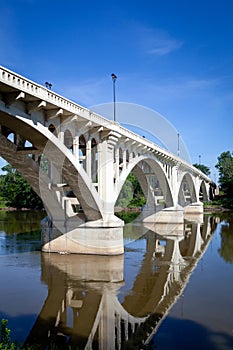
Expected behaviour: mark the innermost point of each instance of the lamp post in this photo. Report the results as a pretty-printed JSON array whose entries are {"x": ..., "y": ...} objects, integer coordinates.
[
  {"x": 114, "y": 78},
  {"x": 178, "y": 144},
  {"x": 48, "y": 85}
]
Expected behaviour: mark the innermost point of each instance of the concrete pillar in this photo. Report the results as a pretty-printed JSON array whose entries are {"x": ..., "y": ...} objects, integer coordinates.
[
  {"x": 94, "y": 162},
  {"x": 61, "y": 136},
  {"x": 88, "y": 158},
  {"x": 76, "y": 148},
  {"x": 174, "y": 184},
  {"x": 117, "y": 160},
  {"x": 151, "y": 201},
  {"x": 130, "y": 156},
  {"x": 106, "y": 176},
  {"x": 124, "y": 159},
  {"x": 53, "y": 172}
]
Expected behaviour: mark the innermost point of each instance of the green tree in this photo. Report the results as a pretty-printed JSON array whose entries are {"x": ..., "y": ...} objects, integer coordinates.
[
  {"x": 205, "y": 169},
  {"x": 225, "y": 168},
  {"x": 131, "y": 194},
  {"x": 226, "y": 248},
  {"x": 16, "y": 191}
]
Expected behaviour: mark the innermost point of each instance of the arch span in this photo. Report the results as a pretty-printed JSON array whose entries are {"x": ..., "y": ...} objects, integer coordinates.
[
  {"x": 46, "y": 143},
  {"x": 151, "y": 177},
  {"x": 203, "y": 192},
  {"x": 187, "y": 193}
]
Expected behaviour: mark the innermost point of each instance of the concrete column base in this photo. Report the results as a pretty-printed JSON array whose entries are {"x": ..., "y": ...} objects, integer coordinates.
[
  {"x": 84, "y": 240},
  {"x": 167, "y": 222},
  {"x": 194, "y": 208},
  {"x": 107, "y": 222},
  {"x": 168, "y": 215},
  {"x": 194, "y": 212}
]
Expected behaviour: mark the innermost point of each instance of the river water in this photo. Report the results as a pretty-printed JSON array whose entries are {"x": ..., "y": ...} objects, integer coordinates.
[{"x": 172, "y": 289}]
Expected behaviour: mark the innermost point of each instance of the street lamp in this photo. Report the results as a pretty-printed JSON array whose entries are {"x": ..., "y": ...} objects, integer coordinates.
[
  {"x": 114, "y": 78},
  {"x": 48, "y": 85},
  {"x": 178, "y": 144}
]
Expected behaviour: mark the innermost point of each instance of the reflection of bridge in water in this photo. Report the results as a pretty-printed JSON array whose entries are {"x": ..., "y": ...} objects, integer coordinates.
[{"x": 82, "y": 307}]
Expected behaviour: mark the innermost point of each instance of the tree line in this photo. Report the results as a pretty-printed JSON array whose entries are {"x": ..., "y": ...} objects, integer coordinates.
[
  {"x": 17, "y": 193},
  {"x": 225, "y": 169}
]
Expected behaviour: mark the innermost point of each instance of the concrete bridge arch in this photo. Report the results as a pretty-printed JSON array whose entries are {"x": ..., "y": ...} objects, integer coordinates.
[
  {"x": 150, "y": 174},
  {"x": 187, "y": 190},
  {"x": 49, "y": 145},
  {"x": 85, "y": 151},
  {"x": 204, "y": 191}
]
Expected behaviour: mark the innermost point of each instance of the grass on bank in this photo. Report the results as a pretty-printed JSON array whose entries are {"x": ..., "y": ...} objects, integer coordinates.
[
  {"x": 220, "y": 202},
  {"x": 2, "y": 203},
  {"x": 127, "y": 216}
]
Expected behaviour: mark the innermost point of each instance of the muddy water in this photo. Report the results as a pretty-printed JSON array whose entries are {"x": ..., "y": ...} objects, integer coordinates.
[{"x": 173, "y": 288}]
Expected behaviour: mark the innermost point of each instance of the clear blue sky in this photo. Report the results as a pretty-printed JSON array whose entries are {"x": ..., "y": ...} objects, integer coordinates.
[{"x": 173, "y": 56}]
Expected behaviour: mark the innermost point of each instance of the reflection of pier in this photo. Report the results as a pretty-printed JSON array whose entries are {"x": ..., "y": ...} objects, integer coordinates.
[
  {"x": 171, "y": 257},
  {"x": 82, "y": 307}
]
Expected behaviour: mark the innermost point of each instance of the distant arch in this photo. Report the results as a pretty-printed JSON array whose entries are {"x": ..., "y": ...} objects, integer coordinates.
[
  {"x": 187, "y": 192},
  {"x": 94, "y": 159},
  {"x": 52, "y": 129},
  {"x": 203, "y": 193},
  {"x": 68, "y": 140},
  {"x": 82, "y": 151},
  {"x": 149, "y": 173}
]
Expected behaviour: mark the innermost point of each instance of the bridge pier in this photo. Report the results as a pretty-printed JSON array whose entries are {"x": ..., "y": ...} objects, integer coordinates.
[
  {"x": 172, "y": 215},
  {"x": 82, "y": 240},
  {"x": 194, "y": 208},
  {"x": 106, "y": 237},
  {"x": 194, "y": 212}
]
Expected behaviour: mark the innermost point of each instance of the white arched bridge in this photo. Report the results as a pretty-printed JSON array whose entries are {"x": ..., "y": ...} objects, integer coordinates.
[{"x": 77, "y": 162}]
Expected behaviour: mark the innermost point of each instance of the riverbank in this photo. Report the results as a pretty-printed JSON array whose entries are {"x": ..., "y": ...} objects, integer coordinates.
[
  {"x": 20, "y": 209},
  {"x": 207, "y": 208},
  {"x": 215, "y": 209}
]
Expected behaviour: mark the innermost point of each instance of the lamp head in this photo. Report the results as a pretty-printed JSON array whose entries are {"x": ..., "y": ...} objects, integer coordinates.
[{"x": 114, "y": 77}]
